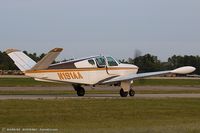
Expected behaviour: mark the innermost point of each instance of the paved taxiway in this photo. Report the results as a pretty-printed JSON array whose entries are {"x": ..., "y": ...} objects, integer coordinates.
[
  {"x": 96, "y": 96},
  {"x": 67, "y": 88}
]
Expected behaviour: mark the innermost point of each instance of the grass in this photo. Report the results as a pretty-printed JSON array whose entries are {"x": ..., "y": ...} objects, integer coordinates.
[
  {"x": 29, "y": 82},
  {"x": 167, "y": 82},
  {"x": 24, "y": 82},
  {"x": 53, "y": 92},
  {"x": 103, "y": 115},
  {"x": 170, "y": 91}
]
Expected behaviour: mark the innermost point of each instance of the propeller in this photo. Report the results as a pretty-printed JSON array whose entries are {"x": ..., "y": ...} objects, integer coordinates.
[{"x": 138, "y": 53}]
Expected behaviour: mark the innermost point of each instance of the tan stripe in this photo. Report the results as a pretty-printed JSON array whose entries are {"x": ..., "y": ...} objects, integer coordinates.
[{"x": 78, "y": 69}]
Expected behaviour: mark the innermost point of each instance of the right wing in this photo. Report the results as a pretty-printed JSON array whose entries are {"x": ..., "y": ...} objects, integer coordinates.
[{"x": 181, "y": 70}]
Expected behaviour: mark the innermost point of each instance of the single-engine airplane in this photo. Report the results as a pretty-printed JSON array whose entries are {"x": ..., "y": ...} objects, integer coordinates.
[{"x": 92, "y": 71}]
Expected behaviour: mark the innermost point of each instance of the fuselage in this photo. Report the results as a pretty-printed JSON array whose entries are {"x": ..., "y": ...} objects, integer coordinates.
[{"x": 88, "y": 71}]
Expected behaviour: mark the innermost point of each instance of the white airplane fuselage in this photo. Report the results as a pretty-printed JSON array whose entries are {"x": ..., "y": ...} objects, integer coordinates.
[{"x": 88, "y": 76}]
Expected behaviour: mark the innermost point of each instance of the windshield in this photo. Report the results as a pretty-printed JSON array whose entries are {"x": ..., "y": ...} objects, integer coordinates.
[{"x": 111, "y": 61}]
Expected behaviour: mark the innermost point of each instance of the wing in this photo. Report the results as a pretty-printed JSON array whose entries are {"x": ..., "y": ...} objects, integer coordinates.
[{"x": 182, "y": 70}]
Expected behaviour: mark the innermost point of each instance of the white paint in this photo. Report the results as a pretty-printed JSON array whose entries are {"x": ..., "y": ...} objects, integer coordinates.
[{"x": 22, "y": 61}]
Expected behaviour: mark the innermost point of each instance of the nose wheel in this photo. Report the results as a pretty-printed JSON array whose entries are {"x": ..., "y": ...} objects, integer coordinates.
[
  {"x": 127, "y": 89},
  {"x": 123, "y": 93},
  {"x": 131, "y": 93}
]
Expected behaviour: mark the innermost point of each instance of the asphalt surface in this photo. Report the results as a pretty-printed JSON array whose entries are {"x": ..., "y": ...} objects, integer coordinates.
[
  {"x": 97, "y": 96},
  {"x": 103, "y": 88}
]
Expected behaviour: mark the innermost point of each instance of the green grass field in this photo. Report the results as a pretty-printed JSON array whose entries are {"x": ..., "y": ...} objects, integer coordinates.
[
  {"x": 24, "y": 82},
  {"x": 29, "y": 82},
  {"x": 103, "y": 115}
]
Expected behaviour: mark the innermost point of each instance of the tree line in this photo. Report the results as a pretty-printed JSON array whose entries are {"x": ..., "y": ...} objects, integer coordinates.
[
  {"x": 7, "y": 64},
  {"x": 146, "y": 63},
  {"x": 150, "y": 63}
]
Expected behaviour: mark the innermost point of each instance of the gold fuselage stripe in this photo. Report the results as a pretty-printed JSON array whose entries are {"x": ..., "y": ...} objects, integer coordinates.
[{"x": 78, "y": 69}]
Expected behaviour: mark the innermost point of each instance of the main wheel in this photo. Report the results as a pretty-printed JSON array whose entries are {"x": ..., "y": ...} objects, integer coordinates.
[
  {"x": 80, "y": 91},
  {"x": 123, "y": 93},
  {"x": 132, "y": 93}
]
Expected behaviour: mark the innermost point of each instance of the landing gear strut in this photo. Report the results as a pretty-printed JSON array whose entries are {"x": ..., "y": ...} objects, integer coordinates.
[
  {"x": 80, "y": 90},
  {"x": 127, "y": 88},
  {"x": 123, "y": 93}
]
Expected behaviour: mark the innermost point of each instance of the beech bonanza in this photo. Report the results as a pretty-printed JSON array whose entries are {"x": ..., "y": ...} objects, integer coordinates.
[{"x": 94, "y": 70}]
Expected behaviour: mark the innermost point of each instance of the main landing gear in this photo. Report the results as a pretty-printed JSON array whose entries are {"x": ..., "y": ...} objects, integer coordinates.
[
  {"x": 123, "y": 93},
  {"x": 127, "y": 88},
  {"x": 79, "y": 90}
]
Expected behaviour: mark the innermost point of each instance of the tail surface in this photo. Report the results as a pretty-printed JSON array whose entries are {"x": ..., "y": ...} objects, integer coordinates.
[
  {"x": 21, "y": 60},
  {"x": 24, "y": 63},
  {"x": 48, "y": 59}
]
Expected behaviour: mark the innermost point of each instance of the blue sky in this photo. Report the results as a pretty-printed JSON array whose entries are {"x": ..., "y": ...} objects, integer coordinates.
[{"x": 90, "y": 27}]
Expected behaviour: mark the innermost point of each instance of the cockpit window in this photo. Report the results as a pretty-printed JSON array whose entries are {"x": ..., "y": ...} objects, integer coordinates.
[
  {"x": 91, "y": 61},
  {"x": 101, "y": 61},
  {"x": 111, "y": 61}
]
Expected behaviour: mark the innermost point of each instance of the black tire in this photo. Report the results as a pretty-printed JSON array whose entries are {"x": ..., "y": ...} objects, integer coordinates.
[
  {"x": 80, "y": 91},
  {"x": 131, "y": 93},
  {"x": 123, "y": 93}
]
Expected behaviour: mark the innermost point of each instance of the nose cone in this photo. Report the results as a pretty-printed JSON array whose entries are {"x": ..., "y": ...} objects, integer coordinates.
[
  {"x": 129, "y": 66},
  {"x": 135, "y": 67}
]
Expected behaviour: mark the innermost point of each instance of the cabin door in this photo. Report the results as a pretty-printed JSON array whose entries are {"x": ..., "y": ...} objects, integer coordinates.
[{"x": 112, "y": 66}]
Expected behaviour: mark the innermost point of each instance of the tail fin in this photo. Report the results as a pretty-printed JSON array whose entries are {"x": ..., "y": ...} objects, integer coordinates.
[
  {"x": 48, "y": 59},
  {"x": 24, "y": 63},
  {"x": 21, "y": 60}
]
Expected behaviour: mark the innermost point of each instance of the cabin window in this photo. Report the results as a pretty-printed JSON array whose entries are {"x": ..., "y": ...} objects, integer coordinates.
[
  {"x": 101, "y": 62},
  {"x": 111, "y": 61},
  {"x": 91, "y": 62}
]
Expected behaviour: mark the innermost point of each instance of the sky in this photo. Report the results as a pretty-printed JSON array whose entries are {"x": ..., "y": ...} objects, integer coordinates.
[{"x": 112, "y": 27}]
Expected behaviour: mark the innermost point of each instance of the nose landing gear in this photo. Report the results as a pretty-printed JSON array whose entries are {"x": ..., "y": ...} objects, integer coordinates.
[
  {"x": 123, "y": 93},
  {"x": 127, "y": 88},
  {"x": 131, "y": 92}
]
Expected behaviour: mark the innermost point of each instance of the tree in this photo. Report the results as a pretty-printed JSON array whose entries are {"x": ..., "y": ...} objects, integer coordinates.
[
  {"x": 179, "y": 61},
  {"x": 147, "y": 63},
  {"x": 6, "y": 63}
]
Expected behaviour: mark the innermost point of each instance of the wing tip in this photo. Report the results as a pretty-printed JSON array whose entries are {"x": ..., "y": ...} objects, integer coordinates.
[
  {"x": 11, "y": 50},
  {"x": 184, "y": 70}
]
